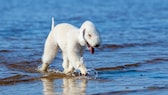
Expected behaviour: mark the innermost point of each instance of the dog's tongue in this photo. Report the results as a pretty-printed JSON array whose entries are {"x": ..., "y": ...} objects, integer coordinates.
[{"x": 91, "y": 50}]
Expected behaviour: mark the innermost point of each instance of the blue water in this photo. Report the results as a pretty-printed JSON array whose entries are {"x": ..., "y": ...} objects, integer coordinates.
[{"x": 132, "y": 59}]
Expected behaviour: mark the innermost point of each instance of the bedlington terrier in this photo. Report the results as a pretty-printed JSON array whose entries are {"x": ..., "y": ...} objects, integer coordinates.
[{"x": 72, "y": 42}]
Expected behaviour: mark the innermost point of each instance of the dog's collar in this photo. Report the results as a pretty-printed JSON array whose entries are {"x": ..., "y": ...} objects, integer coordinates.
[{"x": 85, "y": 39}]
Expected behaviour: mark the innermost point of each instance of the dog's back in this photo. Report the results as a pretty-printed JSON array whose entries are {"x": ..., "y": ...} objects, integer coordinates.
[{"x": 63, "y": 33}]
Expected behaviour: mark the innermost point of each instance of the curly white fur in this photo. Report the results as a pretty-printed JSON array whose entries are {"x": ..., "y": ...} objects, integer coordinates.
[{"x": 72, "y": 41}]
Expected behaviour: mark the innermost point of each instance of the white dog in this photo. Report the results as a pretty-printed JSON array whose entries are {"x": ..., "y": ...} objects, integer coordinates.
[{"x": 72, "y": 41}]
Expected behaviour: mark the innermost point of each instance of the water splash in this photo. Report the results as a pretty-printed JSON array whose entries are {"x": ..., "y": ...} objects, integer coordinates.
[{"x": 91, "y": 73}]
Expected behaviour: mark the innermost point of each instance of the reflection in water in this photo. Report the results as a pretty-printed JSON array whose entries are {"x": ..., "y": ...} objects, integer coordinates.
[
  {"x": 48, "y": 86},
  {"x": 71, "y": 86}
]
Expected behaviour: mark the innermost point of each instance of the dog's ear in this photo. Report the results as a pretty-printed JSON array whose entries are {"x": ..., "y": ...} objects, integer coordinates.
[
  {"x": 81, "y": 36},
  {"x": 83, "y": 32}
]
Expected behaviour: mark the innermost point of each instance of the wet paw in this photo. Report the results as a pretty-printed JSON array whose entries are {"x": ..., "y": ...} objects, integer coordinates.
[{"x": 85, "y": 74}]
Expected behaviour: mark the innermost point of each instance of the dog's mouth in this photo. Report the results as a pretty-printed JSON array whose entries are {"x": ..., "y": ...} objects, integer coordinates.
[{"x": 91, "y": 49}]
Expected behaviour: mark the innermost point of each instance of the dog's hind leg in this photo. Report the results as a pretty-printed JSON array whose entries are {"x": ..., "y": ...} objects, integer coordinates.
[
  {"x": 65, "y": 63},
  {"x": 68, "y": 68},
  {"x": 50, "y": 51}
]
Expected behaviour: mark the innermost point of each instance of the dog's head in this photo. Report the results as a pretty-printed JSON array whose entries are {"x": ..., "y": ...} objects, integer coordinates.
[{"x": 90, "y": 35}]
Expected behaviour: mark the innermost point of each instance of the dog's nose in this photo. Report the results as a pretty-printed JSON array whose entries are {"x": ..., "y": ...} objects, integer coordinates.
[{"x": 97, "y": 45}]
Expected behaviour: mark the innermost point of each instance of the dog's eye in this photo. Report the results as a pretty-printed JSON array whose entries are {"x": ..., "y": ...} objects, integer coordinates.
[{"x": 89, "y": 35}]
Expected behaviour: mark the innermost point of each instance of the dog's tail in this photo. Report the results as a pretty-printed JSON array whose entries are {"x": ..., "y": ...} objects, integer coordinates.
[{"x": 52, "y": 25}]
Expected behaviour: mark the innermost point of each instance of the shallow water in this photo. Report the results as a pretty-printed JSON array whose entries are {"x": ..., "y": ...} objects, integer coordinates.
[{"x": 132, "y": 59}]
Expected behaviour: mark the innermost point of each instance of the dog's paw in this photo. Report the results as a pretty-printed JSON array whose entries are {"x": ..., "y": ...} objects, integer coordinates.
[
  {"x": 41, "y": 70},
  {"x": 68, "y": 72},
  {"x": 83, "y": 74},
  {"x": 83, "y": 71}
]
